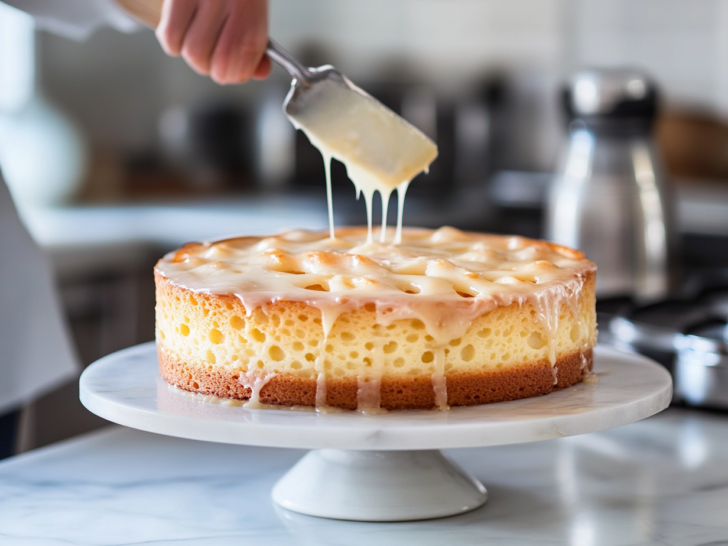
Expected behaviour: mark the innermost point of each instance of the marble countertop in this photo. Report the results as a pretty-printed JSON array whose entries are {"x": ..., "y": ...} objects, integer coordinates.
[
  {"x": 660, "y": 481},
  {"x": 83, "y": 239}
]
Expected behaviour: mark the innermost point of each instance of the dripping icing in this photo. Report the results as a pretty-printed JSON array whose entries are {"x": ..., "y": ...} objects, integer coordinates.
[
  {"x": 329, "y": 194},
  {"x": 401, "y": 193},
  {"x": 498, "y": 270},
  {"x": 369, "y": 383},
  {"x": 255, "y": 382},
  {"x": 380, "y": 150},
  {"x": 329, "y": 314},
  {"x": 385, "y": 210},
  {"x": 548, "y": 307},
  {"x": 439, "y": 381},
  {"x": 230, "y": 402}
]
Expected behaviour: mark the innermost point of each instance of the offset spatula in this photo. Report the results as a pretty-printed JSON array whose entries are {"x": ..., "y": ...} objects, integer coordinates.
[{"x": 379, "y": 148}]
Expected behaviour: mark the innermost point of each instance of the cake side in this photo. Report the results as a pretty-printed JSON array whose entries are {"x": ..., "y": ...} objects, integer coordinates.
[
  {"x": 397, "y": 392},
  {"x": 445, "y": 317},
  {"x": 209, "y": 344}
]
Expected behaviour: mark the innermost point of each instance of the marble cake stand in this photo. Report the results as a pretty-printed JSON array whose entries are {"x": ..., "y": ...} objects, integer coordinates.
[{"x": 375, "y": 468}]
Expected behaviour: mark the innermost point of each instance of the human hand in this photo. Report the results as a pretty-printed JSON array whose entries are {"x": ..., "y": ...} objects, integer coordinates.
[{"x": 225, "y": 39}]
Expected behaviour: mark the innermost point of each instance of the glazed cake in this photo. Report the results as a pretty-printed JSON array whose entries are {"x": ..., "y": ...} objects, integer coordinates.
[{"x": 446, "y": 318}]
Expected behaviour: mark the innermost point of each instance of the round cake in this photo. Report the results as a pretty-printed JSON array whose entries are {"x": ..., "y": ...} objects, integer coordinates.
[{"x": 445, "y": 318}]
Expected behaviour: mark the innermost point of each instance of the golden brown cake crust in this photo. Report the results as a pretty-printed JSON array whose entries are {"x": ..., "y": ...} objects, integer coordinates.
[
  {"x": 466, "y": 389},
  {"x": 447, "y": 317}
]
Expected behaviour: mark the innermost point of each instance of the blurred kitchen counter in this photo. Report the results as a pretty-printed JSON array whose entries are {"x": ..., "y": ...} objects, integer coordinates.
[
  {"x": 108, "y": 234},
  {"x": 663, "y": 480},
  {"x": 702, "y": 206},
  {"x": 82, "y": 237}
]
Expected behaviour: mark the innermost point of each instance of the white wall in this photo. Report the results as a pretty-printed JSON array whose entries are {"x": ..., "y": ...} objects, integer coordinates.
[
  {"x": 682, "y": 42},
  {"x": 444, "y": 38},
  {"x": 678, "y": 41}
]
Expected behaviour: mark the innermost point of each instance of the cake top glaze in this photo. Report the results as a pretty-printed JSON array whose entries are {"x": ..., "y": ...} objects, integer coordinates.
[{"x": 444, "y": 264}]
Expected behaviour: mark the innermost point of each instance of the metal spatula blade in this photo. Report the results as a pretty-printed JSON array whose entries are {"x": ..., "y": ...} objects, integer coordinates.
[{"x": 352, "y": 126}]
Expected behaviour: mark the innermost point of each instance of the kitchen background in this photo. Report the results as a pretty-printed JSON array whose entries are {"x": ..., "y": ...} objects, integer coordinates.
[{"x": 156, "y": 155}]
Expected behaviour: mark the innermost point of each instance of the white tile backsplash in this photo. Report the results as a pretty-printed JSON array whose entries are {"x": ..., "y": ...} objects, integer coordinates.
[{"x": 450, "y": 38}]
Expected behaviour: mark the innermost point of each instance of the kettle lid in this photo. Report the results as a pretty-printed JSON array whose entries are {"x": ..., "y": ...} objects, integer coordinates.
[{"x": 610, "y": 93}]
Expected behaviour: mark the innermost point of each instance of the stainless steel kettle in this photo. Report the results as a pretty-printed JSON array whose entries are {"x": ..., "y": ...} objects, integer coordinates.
[{"x": 610, "y": 197}]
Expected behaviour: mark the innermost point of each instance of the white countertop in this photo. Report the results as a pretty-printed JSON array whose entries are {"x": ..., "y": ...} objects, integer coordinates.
[
  {"x": 659, "y": 481},
  {"x": 174, "y": 223},
  {"x": 80, "y": 239},
  {"x": 701, "y": 209}
]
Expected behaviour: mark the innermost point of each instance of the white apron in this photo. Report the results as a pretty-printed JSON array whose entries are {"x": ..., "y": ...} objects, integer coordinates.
[
  {"x": 36, "y": 354},
  {"x": 35, "y": 351}
]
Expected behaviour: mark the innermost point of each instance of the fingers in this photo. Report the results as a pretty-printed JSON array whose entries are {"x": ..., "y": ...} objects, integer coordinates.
[
  {"x": 240, "y": 50},
  {"x": 263, "y": 70},
  {"x": 203, "y": 33},
  {"x": 225, "y": 39},
  {"x": 175, "y": 20}
]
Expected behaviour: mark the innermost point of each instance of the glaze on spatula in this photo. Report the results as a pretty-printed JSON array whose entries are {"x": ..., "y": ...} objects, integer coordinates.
[{"x": 381, "y": 151}]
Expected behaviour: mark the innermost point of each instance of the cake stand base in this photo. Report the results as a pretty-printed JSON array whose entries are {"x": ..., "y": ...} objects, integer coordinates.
[
  {"x": 378, "y": 486},
  {"x": 376, "y": 467}
]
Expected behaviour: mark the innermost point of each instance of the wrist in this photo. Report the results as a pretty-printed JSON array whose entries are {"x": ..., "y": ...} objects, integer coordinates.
[{"x": 145, "y": 11}]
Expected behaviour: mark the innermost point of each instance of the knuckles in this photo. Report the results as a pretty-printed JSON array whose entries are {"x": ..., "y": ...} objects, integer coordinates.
[
  {"x": 169, "y": 42},
  {"x": 196, "y": 56},
  {"x": 233, "y": 59}
]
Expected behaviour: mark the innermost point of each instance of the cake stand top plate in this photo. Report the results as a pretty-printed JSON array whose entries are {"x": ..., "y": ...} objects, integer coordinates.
[{"x": 126, "y": 388}]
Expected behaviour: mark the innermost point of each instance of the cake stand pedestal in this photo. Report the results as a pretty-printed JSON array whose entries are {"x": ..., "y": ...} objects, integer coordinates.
[
  {"x": 378, "y": 486},
  {"x": 383, "y": 467}
]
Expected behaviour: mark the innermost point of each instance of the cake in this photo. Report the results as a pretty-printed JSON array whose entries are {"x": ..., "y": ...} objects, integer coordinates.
[{"x": 445, "y": 318}]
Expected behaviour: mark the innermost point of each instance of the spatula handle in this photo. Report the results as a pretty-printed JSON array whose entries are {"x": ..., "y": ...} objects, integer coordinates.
[{"x": 288, "y": 61}]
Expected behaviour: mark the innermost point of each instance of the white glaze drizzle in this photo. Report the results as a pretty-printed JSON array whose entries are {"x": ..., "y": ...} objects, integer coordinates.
[
  {"x": 321, "y": 394},
  {"x": 439, "y": 381},
  {"x": 547, "y": 312},
  {"x": 369, "y": 383},
  {"x": 584, "y": 342},
  {"x": 368, "y": 200},
  {"x": 231, "y": 402},
  {"x": 549, "y": 308},
  {"x": 446, "y": 278},
  {"x": 379, "y": 149},
  {"x": 255, "y": 382},
  {"x": 329, "y": 314},
  {"x": 329, "y": 194},
  {"x": 401, "y": 194},
  {"x": 385, "y": 211}
]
